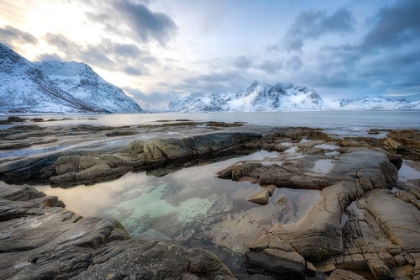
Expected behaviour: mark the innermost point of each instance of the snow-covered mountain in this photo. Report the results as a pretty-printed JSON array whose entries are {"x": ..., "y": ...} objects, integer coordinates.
[
  {"x": 197, "y": 102},
  {"x": 375, "y": 103},
  {"x": 25, "y": 87},
  {"x": 83, "y": 83},
  {"x": 257, "y": 97}
]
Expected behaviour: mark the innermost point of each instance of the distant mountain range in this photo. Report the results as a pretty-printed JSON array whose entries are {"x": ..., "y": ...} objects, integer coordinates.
[
  {"x": 281, "y": 97},
  {"x": 375, "y": 103},
  {"x": 71, "y": 87},
  {"x": 257, "y": 97},
  {"x": 53, "y": 86}
]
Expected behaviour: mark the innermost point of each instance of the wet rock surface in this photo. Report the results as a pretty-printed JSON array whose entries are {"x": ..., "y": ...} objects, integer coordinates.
[
  {"x": 67, "y": 156},
  {"x": 365, "y": 224},
  {"x": 41, "y": 240},
  {"x": 404, "y": 142},
  {"x": 356, "y": 223}
]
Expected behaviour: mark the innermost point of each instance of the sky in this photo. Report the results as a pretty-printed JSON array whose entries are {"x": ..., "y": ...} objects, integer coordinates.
[{"x": 158, "y": 50}]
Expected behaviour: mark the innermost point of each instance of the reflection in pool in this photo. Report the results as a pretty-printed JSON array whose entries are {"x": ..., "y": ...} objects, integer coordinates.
[
  {"x": 407, "y": 173},
  {"x": 191, "y": 207}
]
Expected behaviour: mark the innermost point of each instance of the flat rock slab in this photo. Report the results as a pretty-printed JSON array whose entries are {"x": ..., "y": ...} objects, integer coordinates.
[
  {"x": 341, "y": 274},
  {"x": 400, "y": 219}
]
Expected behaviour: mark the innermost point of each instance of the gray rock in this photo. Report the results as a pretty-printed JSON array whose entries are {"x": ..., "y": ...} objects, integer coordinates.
[
  {"x": 398, "y": 218},
  {"x": 379, "y": 269},
  {"x": 277, "y": 262},
  {"x": 38, "y": 241},
  {"x": 261, "y": 197}
]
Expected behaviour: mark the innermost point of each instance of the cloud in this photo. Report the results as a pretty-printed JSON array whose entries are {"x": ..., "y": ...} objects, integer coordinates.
[
  {"x": 394, "y": 26},
  {"x": 242, "y": 62},
  {"x": 130, "y": 70},
  {"x": 273, "y": 48},
  {"x": 131, "y": 19},
  {"x": 126, "y": 50},
  {"x": 148, "y": 25},
  {"x": 316, "y": 24},
  {"x": 152, "y": 100},
  {"x": 271, "y": 67},
  {"x": 48, "y": 57},
  {"x": 108, "y": 55},
  {"x": 62, "y": 43},
  {"x": 370, "y": 72},
  {"x": 12, "y": 36},
  {"x": 292, "y": 44},
  {"x": 294, "y": 63},
  {"x": 213, "y": 82}
]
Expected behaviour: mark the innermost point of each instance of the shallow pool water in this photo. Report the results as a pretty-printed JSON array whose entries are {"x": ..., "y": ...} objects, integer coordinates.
[
  {"x": 407, "y": 173},
  {"x": 191, "y": 207},
  {"x": 326, "y": 147},
  {"x": 323, "y": 166}
]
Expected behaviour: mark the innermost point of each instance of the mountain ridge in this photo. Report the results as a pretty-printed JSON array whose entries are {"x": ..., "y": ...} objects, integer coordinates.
[
  {"x": 26, "y": 87},
  {"x": 73, "y": 87},
  {"x": 257, "y": 97},
  {"x": 282, "y": 97}
]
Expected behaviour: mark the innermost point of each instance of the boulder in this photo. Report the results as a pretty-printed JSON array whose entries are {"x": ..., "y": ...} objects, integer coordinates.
[
  {"x": 276, "y": 262},
  {"x": 379, "y": 269},
  {"x": 262, "y": 197}
]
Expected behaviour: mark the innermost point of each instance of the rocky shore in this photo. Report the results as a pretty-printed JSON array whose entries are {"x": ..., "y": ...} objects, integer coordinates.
[{"x": 365, "y": 224}]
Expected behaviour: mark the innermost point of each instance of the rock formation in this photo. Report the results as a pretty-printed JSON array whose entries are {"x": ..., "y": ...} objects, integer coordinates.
[
  {"x": 365, "y": 224},
  {"x": 41, "y": 240}
]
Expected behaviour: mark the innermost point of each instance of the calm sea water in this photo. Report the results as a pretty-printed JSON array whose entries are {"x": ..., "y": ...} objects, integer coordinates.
[{"x": 342, "y": 122}]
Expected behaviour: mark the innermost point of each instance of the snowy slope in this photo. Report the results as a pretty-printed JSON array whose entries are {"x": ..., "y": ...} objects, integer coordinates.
[
  {"x": 197, "y": 102},
  {"x": 51, "y": 86},
  {"x": 83, "y": 83},
  {"x": 23, "y": 87},
  {"x": 257, "y": 97},
  {"x": 416, "y": 104},
  {"x": 375, "y": 103}
]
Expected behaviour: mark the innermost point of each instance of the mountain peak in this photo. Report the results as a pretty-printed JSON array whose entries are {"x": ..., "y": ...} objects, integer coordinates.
[
  {"x": 56, "y": 86},
  {"x": 258, "y": 97},
  {"x": 252, "y": 87},
  {"x": 82, "y": 82}
]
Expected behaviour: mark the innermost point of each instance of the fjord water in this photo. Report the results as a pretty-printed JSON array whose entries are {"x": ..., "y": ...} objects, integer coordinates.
[{"x": 340, "y": 122}]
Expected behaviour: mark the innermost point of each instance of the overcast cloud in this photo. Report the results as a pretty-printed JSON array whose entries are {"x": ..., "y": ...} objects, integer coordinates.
[
  {"x": 159, "y": 50},
  {"x": 14, "y": 37}
]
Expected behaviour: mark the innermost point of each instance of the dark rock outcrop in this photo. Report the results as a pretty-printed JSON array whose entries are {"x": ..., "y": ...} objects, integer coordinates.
[
  {"x": 404, "y": 142},
  {"x": 101, "y": 161}
]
